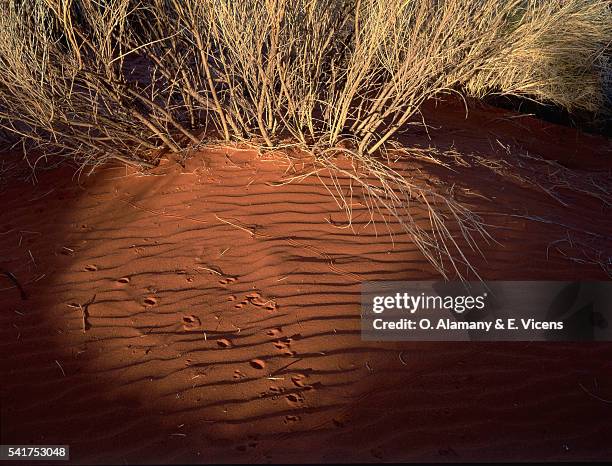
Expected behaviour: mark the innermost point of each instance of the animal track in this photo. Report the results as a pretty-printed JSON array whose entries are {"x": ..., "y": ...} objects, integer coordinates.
[
  {"x": 224, "y": 343},
  {"x": 295, "y": 398},
  {"x": 299, "y": 381},
  {"x": 241, "y": 305},
  {"x": 124, "y": 280},
  {"x": 191, "y": 322},
  {"x": 251, "y": 443},
  {"x": 91, "y": 268},
  {"x": 257, "y": 364},
  {"x": 275, "y": 391},
  {"x": 137, "y": 250},
  {"x": 150, "y": 301},
  {"x": 257, "y": 300},
  {"x": 280, "y": 345},
  {"x": 227, "y": 280},
  {"x": 283, "y": 344}
]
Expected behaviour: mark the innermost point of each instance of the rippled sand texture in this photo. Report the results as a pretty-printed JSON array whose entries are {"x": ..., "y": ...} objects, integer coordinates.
[{"x": 202, "y": 313}]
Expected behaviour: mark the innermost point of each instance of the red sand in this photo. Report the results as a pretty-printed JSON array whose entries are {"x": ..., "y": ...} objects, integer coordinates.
[{"x": 155, "y": 331}]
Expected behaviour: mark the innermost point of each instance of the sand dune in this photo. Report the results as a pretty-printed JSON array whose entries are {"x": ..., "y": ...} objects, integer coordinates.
[{"x": 202, "y": 313}]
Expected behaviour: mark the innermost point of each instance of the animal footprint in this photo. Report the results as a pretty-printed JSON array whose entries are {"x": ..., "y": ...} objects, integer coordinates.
[
  {"x": 224, "y": 343},
  {"x": 291, "y": 418},
  {"x": 150, "y": 301},
  {"x": 283, "y": 344},
  {"x": 91, "y": 268},
  {"x": 256, "y": 300},
  {"x": 280, "y": 345},
  {"x": 191, "y": 322},
  {"x": 241, "y": 304},
  {"x": 257, "y": 364},
  {"x": 298, "y": 380},
  {"x": 227, "y": 280},
  {"x": 274, "y": 332},
  {"x": 137, "y": 250},
  {"x": 275, "y": 391},
  {"x": 244, "y": 447},
  {"x": 124, "y": 280},
  {"x": 295, "y": 398}
]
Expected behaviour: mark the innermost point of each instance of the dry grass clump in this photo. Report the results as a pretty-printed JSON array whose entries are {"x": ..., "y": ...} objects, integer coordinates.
[
  {"x": 65, "y": 86},
  {"x": 551, "y": 51},
  {"x": 125, "y": 79}
]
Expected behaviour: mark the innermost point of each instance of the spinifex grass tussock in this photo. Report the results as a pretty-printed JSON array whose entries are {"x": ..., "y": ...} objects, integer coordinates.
[
  {"x": 128, "y": 79},
  {"x": 127, "y": 76},
  {"x": 551, "y": 51}
]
